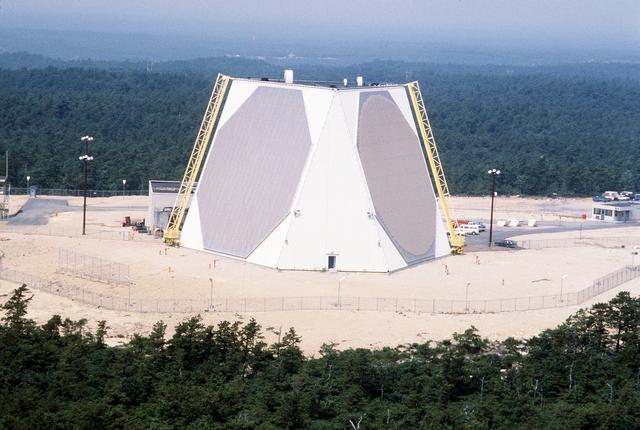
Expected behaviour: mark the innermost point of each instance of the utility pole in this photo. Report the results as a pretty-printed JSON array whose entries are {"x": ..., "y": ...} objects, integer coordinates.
[
  {"x": 493, "y": 173},
  {"x": 86, "y": 158}
]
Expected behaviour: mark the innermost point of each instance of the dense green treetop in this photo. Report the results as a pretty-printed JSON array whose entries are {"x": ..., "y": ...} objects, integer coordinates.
[
  {"x": 583, "y": 374},
  {"x": 571, "y": 130}
]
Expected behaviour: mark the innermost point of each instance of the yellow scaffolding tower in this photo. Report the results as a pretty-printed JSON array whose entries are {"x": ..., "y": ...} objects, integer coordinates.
[
  {"x": 429, "y": 142},
  {"x": 211, "y": 115}
]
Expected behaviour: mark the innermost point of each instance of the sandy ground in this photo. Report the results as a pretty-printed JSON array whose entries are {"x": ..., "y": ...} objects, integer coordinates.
[
  {"x": 540, "y": 209},
  {"x": 179, "y": 273},
  {"x": 348, "y": 329}
]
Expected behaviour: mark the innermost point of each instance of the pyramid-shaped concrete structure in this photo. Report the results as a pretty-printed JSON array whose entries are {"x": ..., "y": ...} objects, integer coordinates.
[{"x": 311, "y": 177}]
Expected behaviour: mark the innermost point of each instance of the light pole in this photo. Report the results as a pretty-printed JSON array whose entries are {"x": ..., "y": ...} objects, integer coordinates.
[
  {"x": 28, "y": 179},
  {"x": 494, "y": 173},
  {"x": 339, "y": 287},
  {"x": 85, "y": 158},
  {"x": 466, "y": 296},
  {"x": 211, "y": 292},
  {"x": 562, "y": 278},
  {"x": 124, "y": 183}
]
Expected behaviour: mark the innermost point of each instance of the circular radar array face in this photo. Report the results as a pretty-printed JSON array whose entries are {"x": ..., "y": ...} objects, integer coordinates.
[
  {"x": 397, "y": 177},
  {"x": 253, "y": 170}
]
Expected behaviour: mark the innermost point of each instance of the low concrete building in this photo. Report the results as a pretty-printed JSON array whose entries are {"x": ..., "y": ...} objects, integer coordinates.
[
  {"x": 615, "y": 211},
  {"x": 162, "y": 196}
]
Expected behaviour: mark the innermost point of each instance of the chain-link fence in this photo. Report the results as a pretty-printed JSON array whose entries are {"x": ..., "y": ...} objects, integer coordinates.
[
  {"x": 68, "y": 192},
  {"x": 125, "y": 234},
  {"x": 93, "y": 268},
  {"x": 604, "y": 242},
  {"x": 323, "y": 303}
]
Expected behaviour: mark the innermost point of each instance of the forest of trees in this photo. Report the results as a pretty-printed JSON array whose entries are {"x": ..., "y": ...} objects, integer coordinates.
[
  {"x": 583, "y": 374},
  {"x": 571, "y": 130}
]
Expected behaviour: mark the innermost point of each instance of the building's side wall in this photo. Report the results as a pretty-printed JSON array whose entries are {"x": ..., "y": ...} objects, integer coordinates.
[
  {"x": 397, "y": 176},
  {"x": 331, "y": 213},
  {"x": 254, "y": 166},
  {"x": 191, "y": 234}
]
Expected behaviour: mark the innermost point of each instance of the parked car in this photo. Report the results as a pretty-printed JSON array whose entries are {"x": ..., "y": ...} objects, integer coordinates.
[
  {"x": 481, "y": 226},
  {"x": 611, "y": 195},
  {"x": 626, "y": 195},
  {"x": 599, "y": 199},
  {"x": 469, "y": 229},
  {"x": 507, "y": 243}
]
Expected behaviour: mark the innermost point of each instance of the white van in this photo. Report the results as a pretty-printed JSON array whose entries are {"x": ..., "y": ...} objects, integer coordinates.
[
  {"x": 469, "y": 229},
  {"x": 611, "y": 196}
]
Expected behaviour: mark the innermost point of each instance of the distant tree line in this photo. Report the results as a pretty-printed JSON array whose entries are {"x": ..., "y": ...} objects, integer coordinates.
[
  {"x": 550, "y": 130},
  {"x": 583, "y": 374}
]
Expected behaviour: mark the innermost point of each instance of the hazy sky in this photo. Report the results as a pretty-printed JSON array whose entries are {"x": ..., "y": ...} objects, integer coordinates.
[{"x": 562, "y": 22}]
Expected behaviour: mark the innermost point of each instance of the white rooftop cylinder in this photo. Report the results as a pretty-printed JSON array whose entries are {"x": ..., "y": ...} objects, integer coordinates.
[
  {"x": 359, "y": 81},
  {"x": 288, "y": 76},
  {"x": 345, "y": 82}
]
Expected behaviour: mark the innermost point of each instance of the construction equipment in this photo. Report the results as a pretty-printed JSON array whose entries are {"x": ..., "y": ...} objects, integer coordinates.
[
  {"x": 429, "y": 142},
  {"x": 207, "y": 128}
]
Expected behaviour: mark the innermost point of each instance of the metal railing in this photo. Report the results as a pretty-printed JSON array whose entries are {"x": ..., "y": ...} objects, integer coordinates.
[
  {"x": 93, "y": 268},
  {"x": 324, "y": 303},
  {"x": 604, "y": 242}
]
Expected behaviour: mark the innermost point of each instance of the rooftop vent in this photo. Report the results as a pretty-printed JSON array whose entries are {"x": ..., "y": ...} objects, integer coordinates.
[
  {"x": 345, "y": 82},
  {"x": 288, "y": 76},
  {"x": 359, "y": 81}
]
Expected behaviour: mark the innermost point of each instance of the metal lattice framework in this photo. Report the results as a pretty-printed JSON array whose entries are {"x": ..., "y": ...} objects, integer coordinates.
[
  {"x": 209, "y": 122},
  {"x": 429, "y": 142}
]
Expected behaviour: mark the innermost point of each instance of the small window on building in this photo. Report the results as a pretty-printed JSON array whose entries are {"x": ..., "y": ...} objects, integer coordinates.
[
  {"x": 331, "y": 263},
  {"x": 608, "y": 212}
]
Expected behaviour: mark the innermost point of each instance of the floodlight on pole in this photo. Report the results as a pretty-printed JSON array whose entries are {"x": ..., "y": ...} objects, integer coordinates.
[
  {"x": 494, "y": 173},
  {"x": 124, "y": 183},
  {"x": 85, "y": 159},
  {"x": 28, "y": 179}
]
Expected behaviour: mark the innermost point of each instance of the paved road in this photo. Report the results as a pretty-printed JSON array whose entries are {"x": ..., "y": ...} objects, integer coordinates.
[
  {"x": 37, "y": 211},
  {"x": 480, "y": 242}
]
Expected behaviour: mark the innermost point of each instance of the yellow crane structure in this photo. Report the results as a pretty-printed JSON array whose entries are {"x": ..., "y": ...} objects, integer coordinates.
[
  {"x": 426, "y": 133},
  {"x": 209, "y": 122}
]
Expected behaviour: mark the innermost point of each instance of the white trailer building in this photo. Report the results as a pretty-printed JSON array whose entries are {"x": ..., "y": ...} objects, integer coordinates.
[{"x": 162, "y": 196}]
